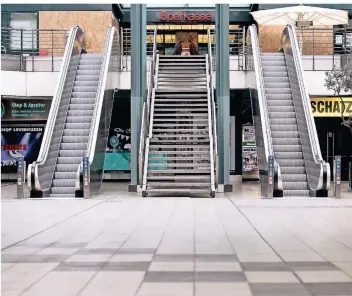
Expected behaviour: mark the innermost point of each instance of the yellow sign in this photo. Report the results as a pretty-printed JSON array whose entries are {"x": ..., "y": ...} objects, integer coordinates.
[{"x": 331, "y": 106}]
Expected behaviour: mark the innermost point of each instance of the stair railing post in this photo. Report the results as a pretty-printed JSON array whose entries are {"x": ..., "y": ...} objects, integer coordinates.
[
  {"x": 337, "y": 176},
  {"x": 350, "y": 176},
  {"x": 21, "y": 164},
  {"x": 271, "y": 177},
  {"x": 86, "y": 177}
]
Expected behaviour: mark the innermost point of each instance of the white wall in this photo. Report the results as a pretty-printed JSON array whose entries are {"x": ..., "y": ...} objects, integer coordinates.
[
  {"x": 44, "y": 83},
  {"x": 28, "y": 84}
]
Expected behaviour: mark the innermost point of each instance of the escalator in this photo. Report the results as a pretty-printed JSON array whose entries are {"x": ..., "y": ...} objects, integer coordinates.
[
  {"x": 78, "y": 122},
  {"x": 283, "y": 121}
]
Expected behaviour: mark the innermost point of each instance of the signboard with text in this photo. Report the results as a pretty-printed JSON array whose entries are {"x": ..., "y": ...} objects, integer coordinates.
[
  {"x": 331, "y": 106},
  {"x": 23, "y": 109}
]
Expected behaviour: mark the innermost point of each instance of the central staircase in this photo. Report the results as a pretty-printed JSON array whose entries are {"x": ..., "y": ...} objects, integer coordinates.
[{"x": 179, "y": 154}]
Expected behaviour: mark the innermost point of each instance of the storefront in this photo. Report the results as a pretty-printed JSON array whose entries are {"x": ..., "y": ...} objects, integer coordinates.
[
  {"x": 186, "y": 22},
  {"x": 22, "y": 129},
  {"x": 334, "y": 138}
]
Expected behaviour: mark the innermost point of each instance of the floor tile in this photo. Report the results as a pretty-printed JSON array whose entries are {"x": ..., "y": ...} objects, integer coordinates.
[
  {"x": 57, "y": 251},
  {"x": 309, "y": 266},
  {"x": 79, "y": 266},
  {"x": 89, "y": 258},
  {"x": 264, "y": 266},
  {"x": 166, "y": 289},
  {"x": 60, "y": 283},
  {"x": 271, "y": 277},
  {"x": 258, "y": 257},
  {"x": 325, "y": 276},
  {"x": 223, "y": 289},
  {"x": 301, "y": 256},
  {"x": 108, "y": 283},
  {"x": 131, "y": 258},
  {"x": 171, "y": 266},
  {"x": 221, "y": 276},
  {"x": 327, "y": 289},
  {"x": 217, "y": 266},
  {"x": 287, "y": 289},
  {"x": 126, "y": 266},
  {"x": 170, "y": 276}
]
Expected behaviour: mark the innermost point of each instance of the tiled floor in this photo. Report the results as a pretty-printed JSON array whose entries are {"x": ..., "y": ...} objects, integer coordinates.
[{"x": 120, "y": 244}]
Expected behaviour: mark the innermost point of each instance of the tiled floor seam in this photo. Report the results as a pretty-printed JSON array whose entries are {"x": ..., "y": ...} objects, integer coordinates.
[
  {"x": 262, "y": 237},
  {"x": 162, "y": 236},
  {"x": 52, "y": 226},
  {"x": 106, "y": 263}
]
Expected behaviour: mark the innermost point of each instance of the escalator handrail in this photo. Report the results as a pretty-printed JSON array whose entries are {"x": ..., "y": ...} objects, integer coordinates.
[
  {"x": 313, "y": 136},
  {"x": 93, "y": 133},
  {"x": 49, "y": 128},
  {"x": 268, "y": 146}
]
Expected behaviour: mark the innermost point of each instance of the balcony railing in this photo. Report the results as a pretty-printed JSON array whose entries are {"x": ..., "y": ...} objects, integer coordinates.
[
  {"x": 324, "y": 48},
  {"x": 32, "y": 50}
]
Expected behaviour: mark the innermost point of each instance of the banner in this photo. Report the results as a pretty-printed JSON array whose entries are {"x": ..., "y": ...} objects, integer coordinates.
[
  {"x": 331, "y": 106},
  {"x": 19, "y": 142},
  {"x": 20, "y": 110},
  {"x": 249, "y": 149}
]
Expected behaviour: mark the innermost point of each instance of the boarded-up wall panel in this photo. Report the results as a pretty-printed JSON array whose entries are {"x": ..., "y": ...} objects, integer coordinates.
[{"x": 94, "y": 23}]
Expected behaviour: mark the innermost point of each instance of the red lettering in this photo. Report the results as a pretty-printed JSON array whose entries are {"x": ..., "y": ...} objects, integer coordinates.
[
  {"x": 9, "y": 147},
  {"x": 164, "y": 16}
]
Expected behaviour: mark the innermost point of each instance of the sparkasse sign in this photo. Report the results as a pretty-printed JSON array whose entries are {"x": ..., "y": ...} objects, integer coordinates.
[{"x": 185, "y": 16}]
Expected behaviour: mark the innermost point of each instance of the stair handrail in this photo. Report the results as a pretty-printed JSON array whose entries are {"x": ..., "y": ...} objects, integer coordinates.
[
  {"x": 146, "y": 113},
  {"x": 323, "y": 182},
  {"x": 71, "y": 48},
  {"x": 267, "y": 138},
  {"x": 213, "y": 109},
  {"x": 103, "y": 77}
]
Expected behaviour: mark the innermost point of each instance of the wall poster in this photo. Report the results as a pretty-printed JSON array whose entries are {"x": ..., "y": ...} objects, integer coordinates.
[{"x": 249, "y": 153}]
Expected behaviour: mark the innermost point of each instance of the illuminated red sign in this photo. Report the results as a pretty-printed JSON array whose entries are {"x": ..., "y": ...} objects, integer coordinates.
[
  {"x": 185, "y": 16},
  {"x": 9, "y": 147}
]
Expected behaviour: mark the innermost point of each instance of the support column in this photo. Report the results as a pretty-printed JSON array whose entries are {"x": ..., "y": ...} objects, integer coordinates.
[
  {"x": 223, "y": 94},
  {"x": 138, "y": 84}
]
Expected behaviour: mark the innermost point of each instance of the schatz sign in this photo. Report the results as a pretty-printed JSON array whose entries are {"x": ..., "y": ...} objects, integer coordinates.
[{"x": 185, "y": 16}]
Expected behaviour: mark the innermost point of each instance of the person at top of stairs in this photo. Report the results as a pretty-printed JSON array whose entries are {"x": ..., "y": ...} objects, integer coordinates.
[
  {"x": 193, "y": 50},
  {"x": 178, "y": 46}
]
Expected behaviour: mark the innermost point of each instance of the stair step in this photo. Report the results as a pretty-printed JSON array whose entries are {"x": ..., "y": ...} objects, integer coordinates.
[
  {"x": 63, "y": 190},
  {"x": 180, "y": 110},
  {"x": 174, "y": 152},
  {"x": 281, "y": 109},
  {"x": 269, "y": 85},
  {"x": 72, "y": 153},
  {"x": 279, "y": 141},
  {"x": 279, "y": 97},
  {"x": 173, "y": 146},
  {"x": 283, "y": 121},
  {"x": 296, "y": 193},
  {"x": 157, "y": 105},
  {"x": 69, "y": 160},
  {"x": 65, "y": 175},
  {"x": 62, "y": 195},
  {"x": 184, "y": 130},
  {"x": 66, "y": 167},
  {"x": 275, "y": 74},
  {"x": 285, "y": 134},
  {"x": 175, "y": 101},
  {"x": 64, "y": 182},
  {"x": 180, "y": 171},
  {"x": 184, "y": 165},
  {"x": 276, "y": 79},
  {"x": 205, "y": 120},
  {"x": 177, "y": 184},
  {"x": 281, "y": 103},
  {"x": 282, "y": 115},
  {"x": 281, "y": 90},
  {"x": 181, "y": 136},
  {"x": 197, "y": 178},
  {"x": 284, "y": 127},
  {"x": 295, "y": 185},
  {"x": 287, "y": 148},
  {"x": 168, "y": 158},
  {"x": 76, "y": 132},
  {"x": 205, "y": 125},
  {"x": 179, "y": 190},
  {"x": 292, "y": 170},
  {"x": 294, "y": 177},
  {"x": 75, "y": 139},
  {"x": 288, "y": 155},
  {"x": 291, "y": 162}
]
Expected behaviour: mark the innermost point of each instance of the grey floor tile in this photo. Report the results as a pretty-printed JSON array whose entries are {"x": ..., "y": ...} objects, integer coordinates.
[
  {"x": 287, "y": 289},
  {"x": 96, "y": 251},
  {"x": 217, "y": 266},
  {"x": 323, "y": 276},
  {"x": 79, "y": 266},
  {"x": 216, "y": 257},
  {"x": 264, "y": 266},
  {"x": 166, "y": 289},
  {"x": 126, "y": 266},
  {"x": 170, "y": 276},
  {"x": 34, "y": 258},
  {"x": 220, "y": 276},
  {"x": 301, "y": 266},
  {"x": 173, "y": 257},
  {"x": 172, "y": 266},
  {"x": 89, "y": 258},
  {"x": 327, "y": 289},
  {"x": 222, "y": 289},
  {"x": 131, "y": 258},
  {"x": 136, "y": 251},
  {"x": 271, "y": 277}
]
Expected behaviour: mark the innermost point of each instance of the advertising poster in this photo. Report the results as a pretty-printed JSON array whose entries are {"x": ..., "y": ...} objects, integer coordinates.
[
  {"x": 19, "y": 142},
  {"x": 249, "y": 153},
  {"x": 118, "y": 156},
  {"x": 331, "y": 106},
  {"x": 24, "y": 110}
]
